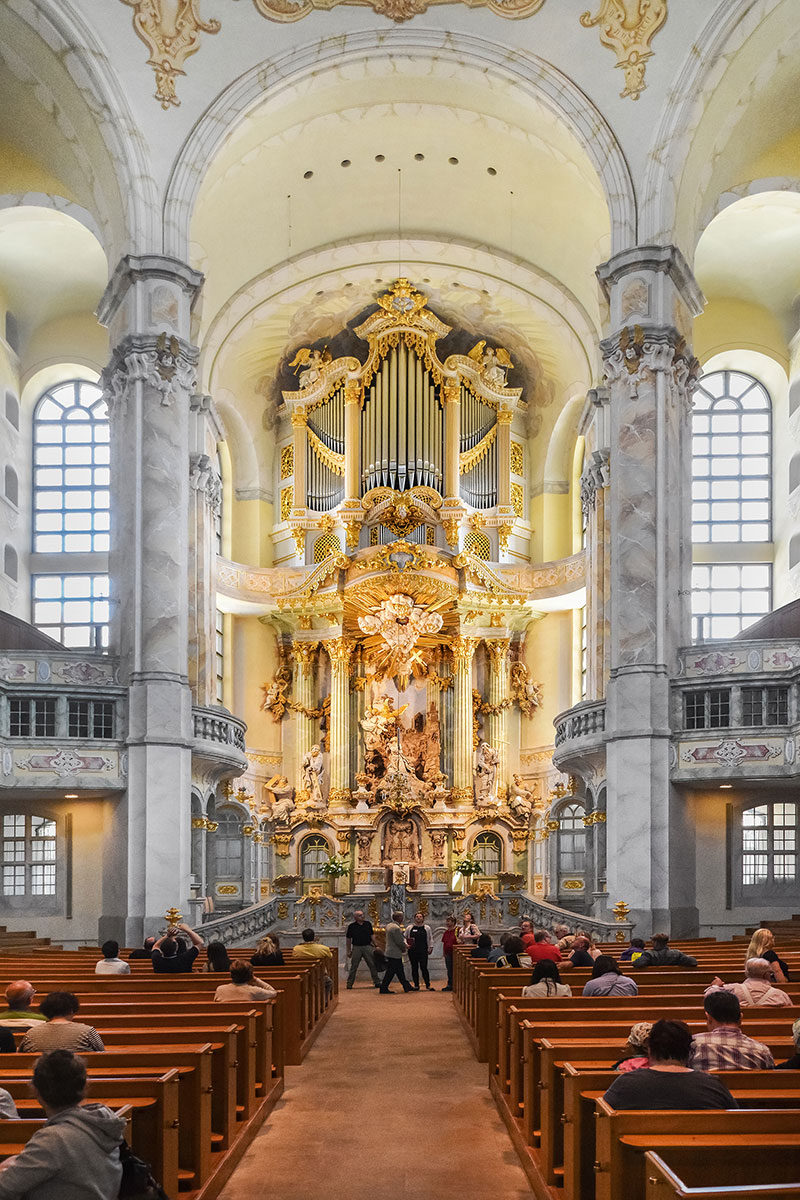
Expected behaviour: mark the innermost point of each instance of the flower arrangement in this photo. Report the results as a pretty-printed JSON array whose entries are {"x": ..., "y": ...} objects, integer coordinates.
[
  {"x": 336, "y": 867},
  {"x": 467, "y": 865}
]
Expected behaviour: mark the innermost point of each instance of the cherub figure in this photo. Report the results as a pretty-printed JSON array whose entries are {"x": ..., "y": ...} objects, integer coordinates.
[
  {"x": 313, "y": 362},
  {"x": 494, "y": 364}
]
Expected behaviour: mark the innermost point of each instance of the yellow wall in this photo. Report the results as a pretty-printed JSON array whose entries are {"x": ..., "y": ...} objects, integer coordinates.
[{"x": 737, "y": 325}]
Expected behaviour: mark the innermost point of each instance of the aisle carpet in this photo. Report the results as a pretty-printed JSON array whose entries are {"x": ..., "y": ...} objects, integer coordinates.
[{"x": 389, "y": 1102}]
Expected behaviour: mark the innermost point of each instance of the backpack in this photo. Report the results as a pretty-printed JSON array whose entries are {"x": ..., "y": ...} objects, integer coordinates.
[{"x": 137, "y": 1181}]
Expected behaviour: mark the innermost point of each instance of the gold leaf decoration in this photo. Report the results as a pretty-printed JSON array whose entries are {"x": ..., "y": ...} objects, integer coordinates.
[
  {"x": 395, "y": 10},
  {"x": 171, "y": 32},
  {"x": 628, "y": 27}
]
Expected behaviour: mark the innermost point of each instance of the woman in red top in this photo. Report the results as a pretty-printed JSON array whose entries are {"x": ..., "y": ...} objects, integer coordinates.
[{"x": 448, "y": 942}]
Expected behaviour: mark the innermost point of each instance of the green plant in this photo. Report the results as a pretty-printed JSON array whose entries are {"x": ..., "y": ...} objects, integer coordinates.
[
  {"x": 467, "y": 865},
  {"x": 335, "y": 867}
]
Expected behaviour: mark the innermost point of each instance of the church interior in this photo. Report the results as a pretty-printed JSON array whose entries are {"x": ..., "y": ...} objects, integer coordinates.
[{"x": 399, "y": 486}]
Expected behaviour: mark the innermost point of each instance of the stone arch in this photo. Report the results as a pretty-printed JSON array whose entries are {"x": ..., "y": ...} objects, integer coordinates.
[{"x": 531, "y": 75}]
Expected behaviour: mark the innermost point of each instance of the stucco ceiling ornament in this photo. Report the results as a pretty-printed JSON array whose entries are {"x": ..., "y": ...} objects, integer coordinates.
[
  {"x": 171, "y": 31},
  {"x": 395, "y": 10},
  {"x": 628, "y": 27}
]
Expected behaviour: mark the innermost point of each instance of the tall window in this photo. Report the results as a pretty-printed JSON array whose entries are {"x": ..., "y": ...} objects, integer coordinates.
[
  {"x": 571, "y": 839},
  {"x": 731, "y": 502},
  {"x": 769, "y": 844},
  {"x": 29, "y": 855},
  {"x": 487, "y": 849},
  {"x": 228, "y": 845},
  {"x": 219, "y": 634},
  {"x": 313, "y": 853},
  {"x": 71, "y": 513}
]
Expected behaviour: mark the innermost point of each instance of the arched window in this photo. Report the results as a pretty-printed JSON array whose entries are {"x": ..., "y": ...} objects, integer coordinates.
[
  {"x": 71, "y": 513},
  {"x": 731, "y": 502},
  {"x": 29, "y": 855},
  {"x": 539, "y": 844},
  {"x": 571, "y": 839},
  {"x": 488, "y": 849},
  {"x": 769, "y": 846},
  {"x": 314, "y": 851}
]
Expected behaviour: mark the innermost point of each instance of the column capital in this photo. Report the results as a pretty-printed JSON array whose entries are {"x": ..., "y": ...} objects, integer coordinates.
[
  {"x": 636, "y": 355},
  {"x": 339, "y": 651},
  {"x": 304, "y": 652},
  {"x": 498, "y": 651},
  {"x": 166, "y": 363},
  {"x": 463, "y": 649}
]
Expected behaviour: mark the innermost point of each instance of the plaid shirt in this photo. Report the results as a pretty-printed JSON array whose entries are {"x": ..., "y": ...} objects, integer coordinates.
[{"x": 728, "y": 1049}]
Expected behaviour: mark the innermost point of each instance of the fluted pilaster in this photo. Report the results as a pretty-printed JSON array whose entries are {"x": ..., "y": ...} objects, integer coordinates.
[
  {"x": 497, "y": 722},
  {"x": 304, "y": 697},
  {"x": 339, "y": 651},
  {"x": 463, "y": 649}
]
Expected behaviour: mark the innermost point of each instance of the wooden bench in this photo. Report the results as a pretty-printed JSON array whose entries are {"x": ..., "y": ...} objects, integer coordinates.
[{"x": 683, "y": 1174}]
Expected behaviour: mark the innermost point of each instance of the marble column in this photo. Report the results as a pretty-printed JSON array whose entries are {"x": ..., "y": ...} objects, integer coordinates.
[
  {"x": 462, "y": 649},
  {"x": 497, "y": 722},
  {"x": 594, "y": 492},
  {"x": 339, "y": 651},
  {"x": 305, "y": 695},
  {"x": 650, "y": 373},
  {"x": 205, "y": 506},
  {"x": 148, "y": 384}
]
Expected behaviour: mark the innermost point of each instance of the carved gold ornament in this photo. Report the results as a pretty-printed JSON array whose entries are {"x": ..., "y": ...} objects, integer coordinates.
[
  {"x": 395, "y": 10},
  {"x": 628, "y": 27},
  {"x": 573, "y": 885},
  {"x": 621, "y": 911},
  {"x": 171, "y": 31}
]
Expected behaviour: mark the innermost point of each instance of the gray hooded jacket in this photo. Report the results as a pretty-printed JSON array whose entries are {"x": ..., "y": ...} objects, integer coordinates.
[{"x": 74, "y": 1156}]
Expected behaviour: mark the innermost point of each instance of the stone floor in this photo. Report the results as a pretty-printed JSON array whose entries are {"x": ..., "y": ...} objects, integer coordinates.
[{"x": 390, "y": 1100}]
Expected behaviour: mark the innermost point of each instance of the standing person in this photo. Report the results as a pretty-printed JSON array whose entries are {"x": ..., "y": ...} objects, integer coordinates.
[
  {"x": 420, "y": 945},
  {"x": 361, "y": 946},
  {"x": 468, "y": 931},
  {"x": 76, "y": 1151},
  {"x": 169, "y": 959},
  {"x": 395, "y": 951},
  {"x": 111, "y": 963},
  {"x": 448, "y": 942}
]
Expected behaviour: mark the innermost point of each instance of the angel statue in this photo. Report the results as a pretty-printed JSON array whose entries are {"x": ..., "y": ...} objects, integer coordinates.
[
  {"x": 493, "y": 364},
  {"x": 275, "y": 698},
  {"x": 313, "y": 766},
  {"x": 313, "y": 362},
  {"x": 527, "y": 694},
  {"x": 520, "y": 799},
  {"x": 487, "y": 761}
]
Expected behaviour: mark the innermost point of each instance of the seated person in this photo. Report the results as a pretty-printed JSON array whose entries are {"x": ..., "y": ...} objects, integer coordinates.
[
  {"x": 217, "y": 957},
  {"x": 637, "y": 1048},
  {"x": 756, "y": 989},
  {"x": 546, "y": 981},
  {"x": 268, "y": 952},
  {"x": 541, "y": 947},
  {"x": 483, "y": 947},
  {"x": 61, "y": 1031},
  {"x": 243, "y": 985},
  {"x": 725, "y": 1047},
  {"x": 311, "y": 948},
  {"x": 19, "y": 1014},
  {"x": 146, "y": 950},
  {"x": 662, "y": 956},
  {"x": 634, "y": 950},
  {"x": 793, "y": 1063},
  {"x": 169, "y": 959},
  {"x": 608, "y": 980},
  {"x": 513, "y": 954},
  {"x": 76, "y": 1152},
  {"x": 563, "y": 937},
  {"x": 111, "y": 963},
  {"x": 579, "y": 955},
  {"x": 668, "y": 1081}
]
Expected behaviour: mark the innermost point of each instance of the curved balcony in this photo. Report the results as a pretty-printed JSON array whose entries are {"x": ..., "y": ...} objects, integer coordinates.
[
  {"x": 580, "y": 733},
  {"x": 219, "y": 744}
]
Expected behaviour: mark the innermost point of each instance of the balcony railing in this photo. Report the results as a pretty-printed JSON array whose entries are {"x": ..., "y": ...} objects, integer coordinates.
[{"x": 219, "y": 739}]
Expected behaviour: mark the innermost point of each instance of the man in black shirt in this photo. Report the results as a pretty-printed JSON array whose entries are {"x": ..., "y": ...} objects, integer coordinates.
[
  {"x": 361, "y": 944},
  {"x": 167, "y": 956},
  {"x": 669, "y": 1082},
  {"x": 419, "y": 940}
]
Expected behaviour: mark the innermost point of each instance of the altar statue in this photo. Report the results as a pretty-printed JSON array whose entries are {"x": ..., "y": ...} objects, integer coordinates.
[
  {"x": 313, "y": 767},
  {"x": 278, "y": 793},
  {"x": 400, "y": 843},
  {"x": 520, "y": 799},
  {"x": 487, "y": 761},
  {"x": 400, "y": 623}
]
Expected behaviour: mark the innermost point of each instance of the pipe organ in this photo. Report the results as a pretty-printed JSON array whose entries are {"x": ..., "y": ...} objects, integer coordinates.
[{"x": 402, "y": 444}]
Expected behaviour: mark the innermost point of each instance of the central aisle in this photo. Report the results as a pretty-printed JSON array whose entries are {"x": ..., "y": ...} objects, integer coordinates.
[{"x": 390, "y": 1101}]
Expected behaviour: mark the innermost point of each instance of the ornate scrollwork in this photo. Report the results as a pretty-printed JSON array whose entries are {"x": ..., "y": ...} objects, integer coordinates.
[
  {"x": 165, "y": 363},
  {"x": 628, "y": 27},
  {"x": 171, "y": 37}
]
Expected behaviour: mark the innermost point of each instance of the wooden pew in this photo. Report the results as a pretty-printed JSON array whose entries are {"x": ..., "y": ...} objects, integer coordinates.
[
  {"x": 740, "y": 1176},
  {"x": 623, "y": 1137},
  {"x": 15, "y": 1135}
]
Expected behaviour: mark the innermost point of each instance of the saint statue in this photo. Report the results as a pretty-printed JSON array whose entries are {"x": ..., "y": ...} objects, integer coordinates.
[
  {"x": 487, "y": 761},
  {"x": 520, "y": 799},
  {"x": 278, "y": 793},
  {"x": 400, "y": 841},
  {"x": 313, "y": 767}
]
